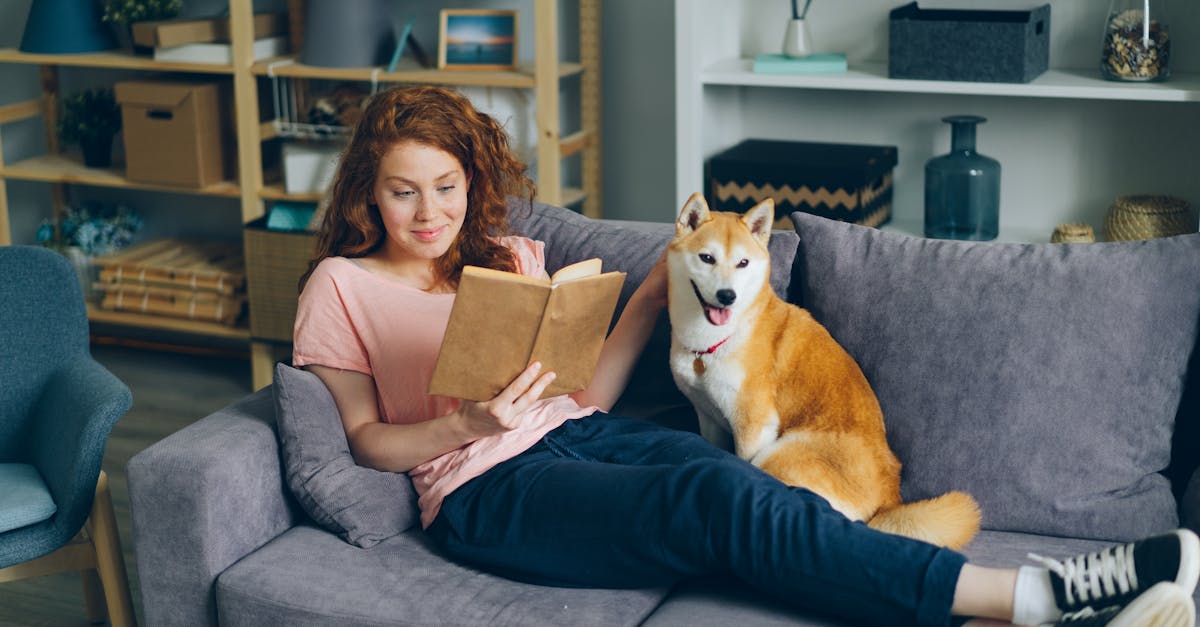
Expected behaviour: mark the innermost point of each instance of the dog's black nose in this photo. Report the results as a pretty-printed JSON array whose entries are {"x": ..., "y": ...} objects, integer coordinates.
[{"x": 726, "y": 297}]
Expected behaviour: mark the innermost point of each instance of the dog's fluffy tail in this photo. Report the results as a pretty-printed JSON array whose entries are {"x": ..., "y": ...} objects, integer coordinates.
[{"x": 949, "y": 520}]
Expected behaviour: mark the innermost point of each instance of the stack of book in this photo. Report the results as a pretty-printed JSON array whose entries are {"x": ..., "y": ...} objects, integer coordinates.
[
  {"x": 176, "y": 278},
  {"x": 207, "y": 40}
]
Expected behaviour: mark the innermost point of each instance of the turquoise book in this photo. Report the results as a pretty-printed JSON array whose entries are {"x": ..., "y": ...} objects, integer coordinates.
[
  {"x": 290, "y": 216},
  {"x": 819, "y": 63}
]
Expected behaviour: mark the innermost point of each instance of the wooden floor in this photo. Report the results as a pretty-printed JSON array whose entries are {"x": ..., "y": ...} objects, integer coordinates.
[{"x": 170, "y": 391}]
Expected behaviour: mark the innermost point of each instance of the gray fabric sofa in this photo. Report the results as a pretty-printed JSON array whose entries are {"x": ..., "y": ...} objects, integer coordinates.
[{"x": 1059, "y": 384}]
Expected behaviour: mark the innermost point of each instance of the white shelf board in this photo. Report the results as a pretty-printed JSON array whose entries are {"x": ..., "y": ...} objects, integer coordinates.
[{"x": 1054, "y": 83}]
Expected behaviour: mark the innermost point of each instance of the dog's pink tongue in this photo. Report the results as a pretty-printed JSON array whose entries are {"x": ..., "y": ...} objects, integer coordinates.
[{"x": 717, "y": 315}]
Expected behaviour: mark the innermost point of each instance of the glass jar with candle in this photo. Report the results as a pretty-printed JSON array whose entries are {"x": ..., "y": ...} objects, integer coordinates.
[{"x": 1137, "y": 42}]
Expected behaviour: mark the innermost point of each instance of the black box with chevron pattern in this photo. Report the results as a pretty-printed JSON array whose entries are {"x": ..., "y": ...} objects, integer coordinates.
[{"x": 847, "y": 182}]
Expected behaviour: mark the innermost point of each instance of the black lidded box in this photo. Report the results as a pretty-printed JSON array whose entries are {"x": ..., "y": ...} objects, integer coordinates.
[
  {"x": 847, "y": 182},
  {"x": 968, "y": 45}
]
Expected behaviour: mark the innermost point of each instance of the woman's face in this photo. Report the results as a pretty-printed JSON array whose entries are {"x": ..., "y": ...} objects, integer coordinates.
[{"x": 421, "y": 192}]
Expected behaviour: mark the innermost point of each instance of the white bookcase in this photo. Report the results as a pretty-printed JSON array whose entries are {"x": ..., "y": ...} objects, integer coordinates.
[{"x": 1068, "y": 143}]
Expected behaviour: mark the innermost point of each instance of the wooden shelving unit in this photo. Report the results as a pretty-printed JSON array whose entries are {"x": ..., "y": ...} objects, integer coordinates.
[
  {"x": 110, "y": 59},
  {"x": 66, "y": 170},
  {"x": 522, "y": 77},
  {"x": 543, "y": 76}
]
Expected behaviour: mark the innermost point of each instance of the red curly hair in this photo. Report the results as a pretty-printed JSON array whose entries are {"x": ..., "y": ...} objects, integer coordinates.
[{"x": 444, "y": 119}]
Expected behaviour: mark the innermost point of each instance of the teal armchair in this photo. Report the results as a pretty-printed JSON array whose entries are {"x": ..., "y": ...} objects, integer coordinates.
[{"x": 57, "y": 407}]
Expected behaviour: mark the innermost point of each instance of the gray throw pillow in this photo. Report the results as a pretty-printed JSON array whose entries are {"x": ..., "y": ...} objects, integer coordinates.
[
  {"x": 1043, "y": 379},
  {"x": 360, "y": 505}
]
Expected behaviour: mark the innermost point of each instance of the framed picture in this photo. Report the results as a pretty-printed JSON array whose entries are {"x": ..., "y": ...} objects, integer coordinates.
[{"x": 477, "y": 39}]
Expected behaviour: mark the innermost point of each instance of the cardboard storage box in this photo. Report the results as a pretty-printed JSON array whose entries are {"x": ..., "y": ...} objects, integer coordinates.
[
  {"x": 176, "y": 132},
  {"x": 847, "y": 182},
  {"x": 960, "y": 45},
  {"x": 308, "y": 167},
  {"x": 275, "y": 261},
  {"x": 168, "y": 33}
]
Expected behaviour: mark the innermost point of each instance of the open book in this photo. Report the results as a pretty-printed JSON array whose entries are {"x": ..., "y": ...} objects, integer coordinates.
[{"x": 502, "y": 321}]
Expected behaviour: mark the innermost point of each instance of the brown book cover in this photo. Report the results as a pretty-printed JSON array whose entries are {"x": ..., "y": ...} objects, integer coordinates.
[
  {"x": 502, "y": 321},
  {"x": 177, "y": 32}
]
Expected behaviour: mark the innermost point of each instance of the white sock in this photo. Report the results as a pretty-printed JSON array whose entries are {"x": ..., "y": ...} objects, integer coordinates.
[{"x": 1033, "y": 598}]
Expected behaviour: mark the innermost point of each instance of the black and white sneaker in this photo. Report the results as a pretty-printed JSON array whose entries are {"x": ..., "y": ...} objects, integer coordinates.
[
  {"x": 1115, "y": 576},
  {"x": 1163, "y": 605}
]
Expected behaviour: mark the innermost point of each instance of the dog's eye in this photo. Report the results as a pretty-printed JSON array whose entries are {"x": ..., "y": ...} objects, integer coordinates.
[
  {"x": 743, "y": 263},
  {"x": 707, "y": 258}
]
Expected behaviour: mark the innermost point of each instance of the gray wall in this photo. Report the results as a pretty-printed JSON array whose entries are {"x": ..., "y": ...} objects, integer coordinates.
[
  {"x": 638, "y": 122},
  {"x": 638, "y": 83}
]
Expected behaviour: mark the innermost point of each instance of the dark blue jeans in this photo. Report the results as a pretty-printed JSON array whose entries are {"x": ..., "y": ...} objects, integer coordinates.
[{"x": 606, "y": 501}]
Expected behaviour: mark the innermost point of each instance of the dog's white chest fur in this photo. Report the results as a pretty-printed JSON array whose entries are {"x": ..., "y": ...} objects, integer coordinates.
[{"x": 712, "y": 389}]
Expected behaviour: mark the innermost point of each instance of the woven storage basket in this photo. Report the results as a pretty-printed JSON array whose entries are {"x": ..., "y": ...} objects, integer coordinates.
[
  {"x": 1148, "y": 216},
  {"x": 275, "y": 260},
  {"x": 1073, "y": 233}
]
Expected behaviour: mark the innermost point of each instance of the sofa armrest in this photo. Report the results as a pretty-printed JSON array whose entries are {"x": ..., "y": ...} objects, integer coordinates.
[{"x": 201, "y": 499}]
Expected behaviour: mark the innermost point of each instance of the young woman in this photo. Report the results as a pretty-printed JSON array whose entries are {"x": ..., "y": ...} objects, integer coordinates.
[{"x": 558, "y": 492}]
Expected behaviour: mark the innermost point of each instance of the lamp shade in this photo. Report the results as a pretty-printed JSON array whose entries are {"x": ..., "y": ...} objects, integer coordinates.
[{"x": 66, "y": 26}]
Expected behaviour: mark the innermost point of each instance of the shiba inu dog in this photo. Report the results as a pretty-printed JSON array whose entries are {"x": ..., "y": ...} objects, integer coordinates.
[{"x": 769, "y": 382}]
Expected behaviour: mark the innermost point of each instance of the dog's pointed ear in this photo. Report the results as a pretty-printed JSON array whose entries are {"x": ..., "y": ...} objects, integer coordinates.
[
  {"x": 694, "y": 213},
  {"x": 760, "y": 219}
]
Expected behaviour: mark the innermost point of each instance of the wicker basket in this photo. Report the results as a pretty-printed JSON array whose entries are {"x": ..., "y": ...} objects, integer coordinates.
[
  {"x": 1073, "y": 233},
  {"x": 275, "y": 260},
  {"x": 1149, "y": 216}
]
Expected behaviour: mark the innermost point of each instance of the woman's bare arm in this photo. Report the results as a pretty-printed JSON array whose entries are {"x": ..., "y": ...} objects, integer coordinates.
[
  {"x": 627, "y": 340},
  {"x": 401, "y": 447}
]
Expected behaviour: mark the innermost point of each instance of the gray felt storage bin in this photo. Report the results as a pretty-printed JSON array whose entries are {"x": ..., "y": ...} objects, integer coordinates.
[{"x": 968, "y": 45}]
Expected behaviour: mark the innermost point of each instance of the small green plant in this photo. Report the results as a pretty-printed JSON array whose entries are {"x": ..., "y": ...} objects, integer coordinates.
[
  {"x": 132, "y": 11},
  {"x": 89, "y": 115}
]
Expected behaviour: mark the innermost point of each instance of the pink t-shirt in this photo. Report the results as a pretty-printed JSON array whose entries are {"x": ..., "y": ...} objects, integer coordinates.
[{"x": 353, "y": 319}]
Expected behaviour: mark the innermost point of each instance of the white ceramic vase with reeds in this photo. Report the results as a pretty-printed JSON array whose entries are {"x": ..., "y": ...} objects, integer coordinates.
[{"x": 797, "y": 42}]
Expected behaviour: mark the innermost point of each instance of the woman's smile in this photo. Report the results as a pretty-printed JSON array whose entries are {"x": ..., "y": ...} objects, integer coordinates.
[{"x": 429, "y": 235}]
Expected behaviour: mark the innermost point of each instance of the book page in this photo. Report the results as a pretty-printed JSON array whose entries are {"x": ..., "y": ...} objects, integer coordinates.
[
  {"x": 586, "y": 267},
  {"x": 501, "y": 275}
]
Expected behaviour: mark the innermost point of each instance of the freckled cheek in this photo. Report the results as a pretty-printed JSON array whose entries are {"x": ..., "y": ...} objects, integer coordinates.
[{"x": 396, "y": 221}]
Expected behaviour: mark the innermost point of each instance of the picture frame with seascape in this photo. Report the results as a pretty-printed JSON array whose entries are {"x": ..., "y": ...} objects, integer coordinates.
[{"x": 477, "y": 39}]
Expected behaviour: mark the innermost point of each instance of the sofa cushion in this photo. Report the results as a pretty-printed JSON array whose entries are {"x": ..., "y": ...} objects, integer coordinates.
[
  {"x": 361, "y": 505},
  {"x": 1041, "y": 378},
  {"x": 633, "y": 247},
  {"x": 307, "y": 577}
]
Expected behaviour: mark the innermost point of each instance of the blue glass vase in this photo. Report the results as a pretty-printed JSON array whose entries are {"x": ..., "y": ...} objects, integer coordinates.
[{"x": 962, "y": 189}]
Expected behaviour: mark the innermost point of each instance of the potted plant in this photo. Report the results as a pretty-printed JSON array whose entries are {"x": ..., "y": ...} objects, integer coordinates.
[
  {"x": 91, "y": 118},
  {"x": 123, "y": 14},
  {"x": 129, "y": 12}
]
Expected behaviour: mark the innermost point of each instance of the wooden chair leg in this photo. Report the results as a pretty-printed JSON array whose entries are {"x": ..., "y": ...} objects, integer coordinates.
[
  {"x": 93, "y": 596},
  {"x": 110, "y": 562}
]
